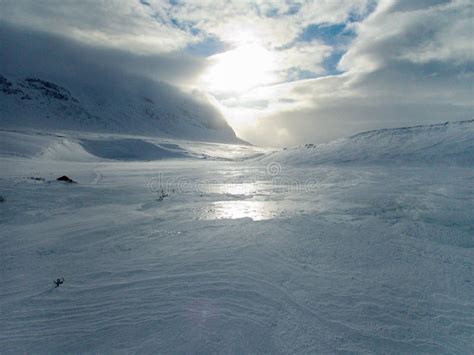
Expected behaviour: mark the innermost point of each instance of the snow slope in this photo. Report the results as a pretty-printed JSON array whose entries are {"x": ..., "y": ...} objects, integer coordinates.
[
  {"x": 138, "y": 107},
  {"x": 242, "y": 256},
  {"x": 86, "y": 147},
  {"x": 448, "y": 143}
]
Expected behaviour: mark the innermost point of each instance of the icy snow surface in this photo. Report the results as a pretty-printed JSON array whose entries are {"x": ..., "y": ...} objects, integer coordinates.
[{"x": 242, "y": 256}]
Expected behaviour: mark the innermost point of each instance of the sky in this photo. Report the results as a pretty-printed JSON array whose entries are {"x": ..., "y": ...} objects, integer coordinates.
[{"x": 282, "y": 73}]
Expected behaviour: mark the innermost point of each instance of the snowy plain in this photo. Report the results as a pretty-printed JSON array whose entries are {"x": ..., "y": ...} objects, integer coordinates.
[{"x": 252, "y": 251}]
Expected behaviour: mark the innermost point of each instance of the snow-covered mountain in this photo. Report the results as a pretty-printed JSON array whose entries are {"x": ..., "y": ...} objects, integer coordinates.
[
  {"x": 448, "y": 143},
  {"x": 143, "y": 107}
]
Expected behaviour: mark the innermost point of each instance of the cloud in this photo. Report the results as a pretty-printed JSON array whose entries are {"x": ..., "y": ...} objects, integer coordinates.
[
  {"x": 128, "y": 25},
  {"x": 29, "y": 52},
  {"x": 158, "y": 26},
  {"x": 408, "y": 65},
  {"x": 307, "y": 56},
  {"x": 327, "y": 68},
  {"x": 110, "y": 81}
]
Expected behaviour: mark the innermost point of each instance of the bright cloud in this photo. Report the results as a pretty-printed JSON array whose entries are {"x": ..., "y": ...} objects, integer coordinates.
[
  {"x": 240, "y": 69},
  {"x": 286, "y": 72}
]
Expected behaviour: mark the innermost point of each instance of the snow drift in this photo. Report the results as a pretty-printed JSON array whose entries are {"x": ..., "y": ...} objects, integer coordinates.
[
  {"x": 129, "y": 149},
  {"x": 449, "y": 143},
  {"x": 90, "y": 147},
  {"x": 75, "y": 149}
]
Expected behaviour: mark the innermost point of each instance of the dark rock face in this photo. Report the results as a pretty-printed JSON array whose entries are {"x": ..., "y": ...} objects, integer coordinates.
[
  {"x": 7, "y": 87},
  {"x": 49, "y": 89},
  {"x": 46, "y": 89},
  {"x": 36, "y": 102},
  {"x": 36, "y": 178},
  {"x": 66, "y": 179}
]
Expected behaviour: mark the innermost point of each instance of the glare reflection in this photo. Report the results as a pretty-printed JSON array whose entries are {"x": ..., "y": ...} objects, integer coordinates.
[
  {"x": 255, "y": 210},
  {"x": 237, "y": 189}
]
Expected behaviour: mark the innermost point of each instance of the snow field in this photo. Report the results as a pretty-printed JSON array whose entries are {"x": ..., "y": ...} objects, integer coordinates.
[{"x": 370, "y": 259}]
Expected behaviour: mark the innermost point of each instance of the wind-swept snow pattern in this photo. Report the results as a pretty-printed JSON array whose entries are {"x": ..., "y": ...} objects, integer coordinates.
[{"x": 241, "y": 256}]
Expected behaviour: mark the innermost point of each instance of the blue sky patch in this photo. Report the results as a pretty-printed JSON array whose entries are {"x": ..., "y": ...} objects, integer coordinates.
[
  {"x": 356, "y": 17},
  {"x": 185, "y": 26},
  {"x": 336, "y": 36},
  {"x": 275, "y": 12},
  {"x": 329, "y": 34},
  {"x": 295, "y": 74},
  {"x": 330, "y": 63},
  {"x": 272, "y": 12},
  {"x": 207, "y": 47}
]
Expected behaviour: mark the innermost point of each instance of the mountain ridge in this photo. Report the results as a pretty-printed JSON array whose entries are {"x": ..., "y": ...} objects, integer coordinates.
[
  {"x": 449, "y": 143},
  {"x": 162, "y": 111}
]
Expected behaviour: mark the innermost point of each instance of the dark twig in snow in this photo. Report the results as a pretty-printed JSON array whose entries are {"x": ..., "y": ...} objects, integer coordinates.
[
  {"x": 162, "y": 196},
  {"x": 59, "y": 281}
]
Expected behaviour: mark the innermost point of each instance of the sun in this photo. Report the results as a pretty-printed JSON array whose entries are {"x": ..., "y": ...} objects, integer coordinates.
[{"x": 239, "y": 70}]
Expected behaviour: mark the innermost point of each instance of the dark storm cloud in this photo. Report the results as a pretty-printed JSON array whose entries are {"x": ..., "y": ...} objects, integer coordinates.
[
  {"x": 105, "y": 76},
  {"x": 33, "y": 52}
]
